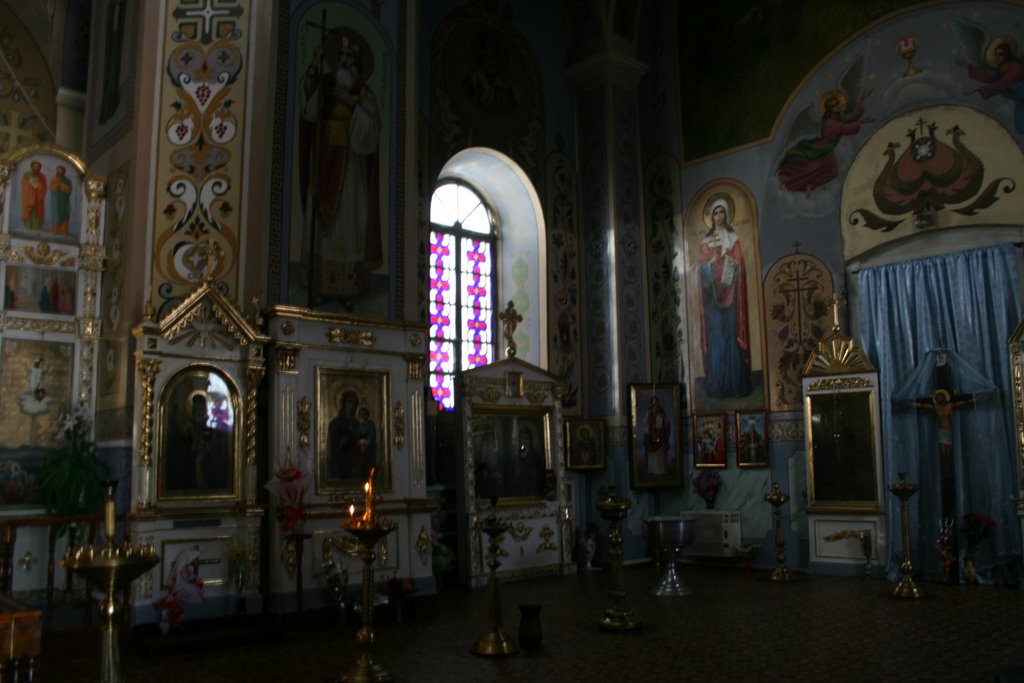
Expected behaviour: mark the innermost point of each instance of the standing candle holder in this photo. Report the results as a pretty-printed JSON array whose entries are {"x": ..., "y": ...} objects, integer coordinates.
[
  {"x": 906, "y": 588},
  {"x": 616, "y": 617},
  {"x": 111, "y": 568},
  {"x": 777, "y": 499},
  {"x": 494, "y": 642},
  {"x": 368, "y": 530}
]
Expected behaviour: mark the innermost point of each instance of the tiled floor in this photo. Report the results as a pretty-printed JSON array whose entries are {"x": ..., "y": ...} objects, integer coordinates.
[{"x": 733, "y": 627}]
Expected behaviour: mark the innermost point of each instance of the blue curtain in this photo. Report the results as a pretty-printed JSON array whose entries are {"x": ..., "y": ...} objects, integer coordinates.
[{"x": 956, "y": 310}]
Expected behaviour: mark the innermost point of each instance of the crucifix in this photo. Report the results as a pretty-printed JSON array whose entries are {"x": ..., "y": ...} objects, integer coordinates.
[
  {"x": 942, "y": 401},
  {"x": 510, "y": 320}
]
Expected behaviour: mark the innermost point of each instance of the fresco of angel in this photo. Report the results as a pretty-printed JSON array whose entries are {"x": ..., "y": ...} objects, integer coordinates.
[
  {"x": 995, "y": 65},
  {"x": 809, "y": 160}
]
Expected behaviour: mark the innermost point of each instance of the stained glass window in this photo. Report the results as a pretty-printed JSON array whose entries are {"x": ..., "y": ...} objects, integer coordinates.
[{"x": 461, "y": 306}]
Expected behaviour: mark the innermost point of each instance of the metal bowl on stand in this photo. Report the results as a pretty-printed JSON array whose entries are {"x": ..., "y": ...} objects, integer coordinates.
[{"x": 670, "y": 535}]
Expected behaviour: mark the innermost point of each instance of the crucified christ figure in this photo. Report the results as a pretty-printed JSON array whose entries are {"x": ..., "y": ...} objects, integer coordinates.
[{"x": 943, "y": 403}]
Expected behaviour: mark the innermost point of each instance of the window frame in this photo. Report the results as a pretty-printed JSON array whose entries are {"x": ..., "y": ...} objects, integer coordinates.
[{"x": 458, "y": 233}]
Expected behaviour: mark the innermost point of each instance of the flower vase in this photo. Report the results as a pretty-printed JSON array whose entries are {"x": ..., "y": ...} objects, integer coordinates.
[
  {"x": 165, "y": 622},
  {"x": 970, "y": 574},
  {"x": 589, "y": 550},
  {"x": 748, "y": 565},
  {"x": 709, "y": 503}
]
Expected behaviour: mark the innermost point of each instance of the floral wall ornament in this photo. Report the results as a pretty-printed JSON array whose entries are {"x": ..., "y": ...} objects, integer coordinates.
[
  {"x": 941, "y": 167},
  {"x": 203, "y": 103},
  {"x": 928, "y": 175}
]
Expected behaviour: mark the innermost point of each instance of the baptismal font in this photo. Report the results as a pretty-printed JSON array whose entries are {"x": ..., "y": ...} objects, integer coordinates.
[
  {"x": 369, "y": 530},
  {"x": 111, "y": 568}
]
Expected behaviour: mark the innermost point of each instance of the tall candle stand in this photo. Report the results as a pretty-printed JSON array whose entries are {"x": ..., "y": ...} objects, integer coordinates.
[
  {"x": 368, "y": 530},
  {"x": 494, "y": 642},
  {"x": 906, "y": 588},
  {"x": 616, "y": 617},
  {"x": 111, "y": 568},
  {"x": 777, "y": 499}
]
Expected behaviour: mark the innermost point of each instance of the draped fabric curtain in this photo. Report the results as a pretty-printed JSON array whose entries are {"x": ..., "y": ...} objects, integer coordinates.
[{"x": 950, "y": 315}]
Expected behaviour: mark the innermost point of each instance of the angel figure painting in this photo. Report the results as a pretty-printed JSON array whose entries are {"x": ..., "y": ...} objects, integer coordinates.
[
  {"x": 994, "y": 63},
  {"x": 809, "y": 161}
]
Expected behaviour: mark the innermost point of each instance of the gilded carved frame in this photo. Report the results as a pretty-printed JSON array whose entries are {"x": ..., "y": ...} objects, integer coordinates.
[
  {"x": 201, "y": 435},
  {"x": 354, "y": 429},
  {"x": 1016, "y": 344},
  {"x": 51, "y": 262}
]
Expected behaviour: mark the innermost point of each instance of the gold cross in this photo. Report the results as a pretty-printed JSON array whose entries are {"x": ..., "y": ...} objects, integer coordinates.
[
  {"x": 510, "y": 319},
  {"x": 15, "y": 134},
  {"x": 836, "y": 302}
]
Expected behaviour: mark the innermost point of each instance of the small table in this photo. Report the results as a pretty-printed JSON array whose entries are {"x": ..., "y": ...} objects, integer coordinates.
[{"x": 21, "y": 636}]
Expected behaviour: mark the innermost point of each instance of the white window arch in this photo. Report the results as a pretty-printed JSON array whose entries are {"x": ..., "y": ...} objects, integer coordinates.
[
  {"x": 483, "y": 196},
  {"x": 461, "y": 274}
]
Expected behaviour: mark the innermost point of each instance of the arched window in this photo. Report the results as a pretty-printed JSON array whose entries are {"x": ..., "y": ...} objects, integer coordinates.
[{"x": 461, "y": 273}]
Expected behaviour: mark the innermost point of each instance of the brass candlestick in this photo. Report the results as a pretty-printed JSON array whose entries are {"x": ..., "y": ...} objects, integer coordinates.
[
  {"x": 368, "y": 531},
  {"x": 777, "y": 499},
  {"x": 494, "y": 642},
  {"x": 906, "y": 588},
  {"x": 616, "y": 617},
  {"x": 111, "y": 568}
]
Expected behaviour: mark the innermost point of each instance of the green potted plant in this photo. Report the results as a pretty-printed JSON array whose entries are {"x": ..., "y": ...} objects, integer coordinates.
[{"x": 71, "y": 478}]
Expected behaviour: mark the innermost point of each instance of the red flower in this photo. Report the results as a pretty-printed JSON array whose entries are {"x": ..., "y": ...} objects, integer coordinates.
[
  {"x": 976, "y": 527},
  {"x": 289, "y": 474},
  {"x": 292, "y": 517},
  {"x": 174, "y": 610},
  {"x": 289, "y": 485}
]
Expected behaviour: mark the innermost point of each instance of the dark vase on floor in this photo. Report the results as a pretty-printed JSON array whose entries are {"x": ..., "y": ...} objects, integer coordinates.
[
  {"x": 970, "y": 574},
  {"x": 529, "y": 625}
]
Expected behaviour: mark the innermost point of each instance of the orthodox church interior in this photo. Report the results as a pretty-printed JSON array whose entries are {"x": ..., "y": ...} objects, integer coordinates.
[{"x": 690, "y": 335}]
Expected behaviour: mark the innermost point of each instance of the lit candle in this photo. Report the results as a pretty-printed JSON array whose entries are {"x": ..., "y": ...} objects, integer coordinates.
[
  {"x": 368, "y": 504},
  {"x": 368, "y": 488},
  {"x": 351, "y": 511},
  {"x": 109, "y": 518}
]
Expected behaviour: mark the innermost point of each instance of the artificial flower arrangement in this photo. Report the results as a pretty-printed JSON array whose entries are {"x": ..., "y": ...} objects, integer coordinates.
[
  {"x": 183, "y": 586},
  {"x": 290, "y": 484},
  {"x": 976, "y": 528},
  {"x": 749, "y": 550},
  {"x": 398, "y": 588},
  {"x": 706, "y": 484},
  {"x": 71, "y": 478}
]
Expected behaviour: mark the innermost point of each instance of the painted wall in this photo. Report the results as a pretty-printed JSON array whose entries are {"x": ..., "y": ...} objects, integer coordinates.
[{"x": 903, "y": 69}]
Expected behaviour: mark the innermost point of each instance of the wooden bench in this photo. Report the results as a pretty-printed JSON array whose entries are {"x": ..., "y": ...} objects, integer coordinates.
[{"x": 20, "y": 640}]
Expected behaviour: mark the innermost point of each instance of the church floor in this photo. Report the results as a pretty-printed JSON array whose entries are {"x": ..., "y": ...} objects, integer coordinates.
[{"x": 733, "y": 627}]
